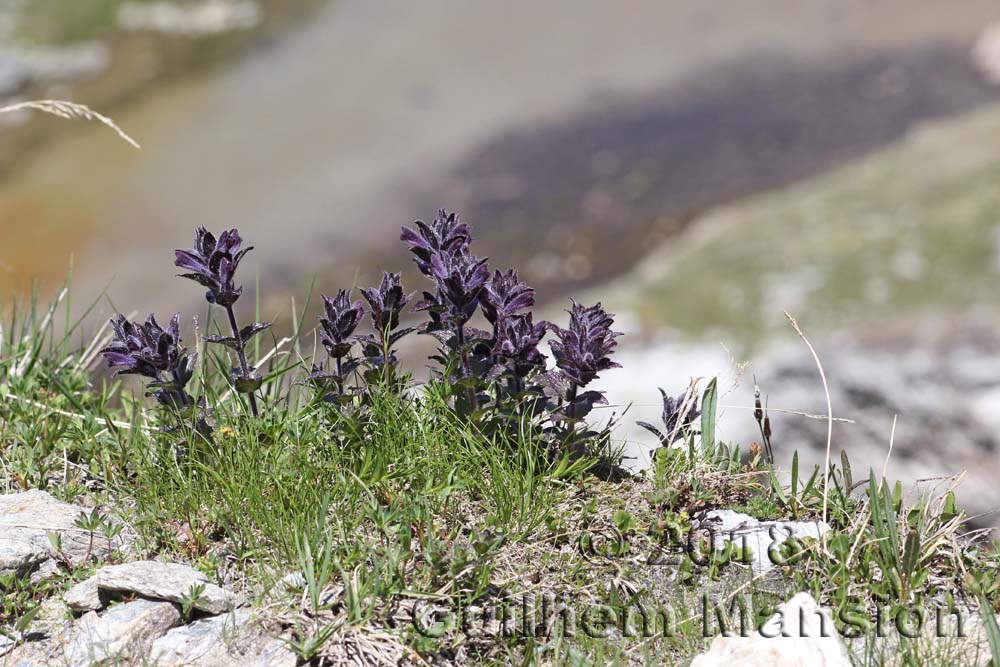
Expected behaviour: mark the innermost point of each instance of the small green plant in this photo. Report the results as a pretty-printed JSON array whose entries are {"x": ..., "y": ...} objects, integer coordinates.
[
  {"x": 91, "y": 522},
  {"x": 191, "y": 599},
  {"x": 306, "y": 642},
  {"x": 800, "y": 499},
  {"x": 315, "y": 557},
  {"x": 111, "y": 529}
]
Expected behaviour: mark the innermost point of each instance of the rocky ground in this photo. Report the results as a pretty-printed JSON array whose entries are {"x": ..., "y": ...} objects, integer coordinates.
[
  {"x": 162, "y": 613},
  {"x": 169, "y": 614}
]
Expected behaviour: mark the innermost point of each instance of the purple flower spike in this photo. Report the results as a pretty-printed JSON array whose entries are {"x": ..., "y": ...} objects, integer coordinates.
[
  {"x": 505, "y": 295},
  {"x": 144, "y": 349},
  {"x": 149, "y": 350},
  {"x": 387, "y": 302},
  {"x": 460, "y": 277},
  {"x": 517, "y": 344},
  {"x": 582, "y": 350},
  {"x": 212, "y": 263},
  {"x": 342, "y": 318},
  {"x": 444, "y": 236}
]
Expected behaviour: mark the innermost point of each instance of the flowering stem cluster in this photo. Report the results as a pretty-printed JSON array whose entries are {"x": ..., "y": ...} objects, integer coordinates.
[
  {"x": 212, "y": 263},
  {"x": 500, "y": 367}
]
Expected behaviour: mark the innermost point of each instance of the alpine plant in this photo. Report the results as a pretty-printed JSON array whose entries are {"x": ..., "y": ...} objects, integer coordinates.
[
  {"x": 212, "y": 263},
  {"x": 386, "y": 303},
  {"x": 515, "y": 335},
  {"x": 678, "y": 417},
  {"x": 148, "y": 350},
  {"x": 502, "y": 368},
  {"x": 581, "y": 351},
  {"x": 341, "y": 317},
  {"x": 505, "y": 295},
  {"x": 515, "y": 349},
  {"x": 442, "y": 252},
  {"x": 444, "y": 235}
]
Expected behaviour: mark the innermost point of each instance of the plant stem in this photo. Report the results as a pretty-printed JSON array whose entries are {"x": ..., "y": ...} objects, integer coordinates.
[
  {"x": 571, "y": 408},
  {"x": 340, "y": 378},
  {"x": 386, "y": 380},
  {"x": 465, "y": 365},
  {"x": 242, "y": 356}
]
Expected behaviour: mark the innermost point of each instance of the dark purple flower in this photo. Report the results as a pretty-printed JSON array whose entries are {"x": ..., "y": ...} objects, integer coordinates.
[
  {"x": 212, "y": 263},
  {"x": 678, "y": 415},
  {"x": 504, "y": 295},
  {"x": 342, "y": 318},
  {"x": 148, "y": 350},
  {"x": 387, "y": 302},
  {"x": 443, "y": 236},
  {"x": 144, "y": 348},
  {"x": 517, "y": 344},
  {"x": 460, "y": 277},
  {"x": 582, "y": 349}
]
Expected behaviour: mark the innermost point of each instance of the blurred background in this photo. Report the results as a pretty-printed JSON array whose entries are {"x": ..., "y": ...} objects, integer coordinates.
[{"x": 699, "y": 167}]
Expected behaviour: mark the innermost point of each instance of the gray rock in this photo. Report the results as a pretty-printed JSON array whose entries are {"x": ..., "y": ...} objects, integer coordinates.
[
  {"x": 122, "y": 635},
  {"x": 27, "y": 519},
  {"x": 34, "y": 654},
  {"x": 46, "y": 570},
  {"x": 223, "y": 641},
  {"x": 7, "y": 643},
  {"x": 760, "y": 536},
  {"x": 56, "y": 629},
  {"x": 294, "y": 582},
  {"x": 164, "y": 581},
  {"x": 273, "y": 653},
  {"x": 800, "y": 634},
  {"x": 20, "y": 557},
  {"x": 54, "y": 618},
  {"x": 84, "y": 596}
]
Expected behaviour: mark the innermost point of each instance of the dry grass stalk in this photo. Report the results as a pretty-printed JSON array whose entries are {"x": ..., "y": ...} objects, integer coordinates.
[
  {"x": 69, "y": 111},
  {"x": 892, "y": 439},
  {"x": 829, "y": 413}
]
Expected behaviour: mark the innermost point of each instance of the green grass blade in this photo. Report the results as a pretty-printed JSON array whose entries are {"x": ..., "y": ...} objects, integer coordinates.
[{"x": 709, "y": 404}]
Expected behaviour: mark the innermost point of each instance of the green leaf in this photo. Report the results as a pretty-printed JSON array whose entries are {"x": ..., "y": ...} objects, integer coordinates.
[
  {"x": 810, "y": 486},
  {"x": 624, "y": 521},
  {"x": 950, "y": 510},
  {"x": 709, "y": 403},
  {"x": 776, "y": 487},
  {"x": 22, "y": 623},
  {"x": 795, "y": 474},
  {"x": 897, "y": 496},
  {"x": 992, "y": 631},
  {"x": 848, "y": 477},
  {"x": 911, "y": 551}
]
